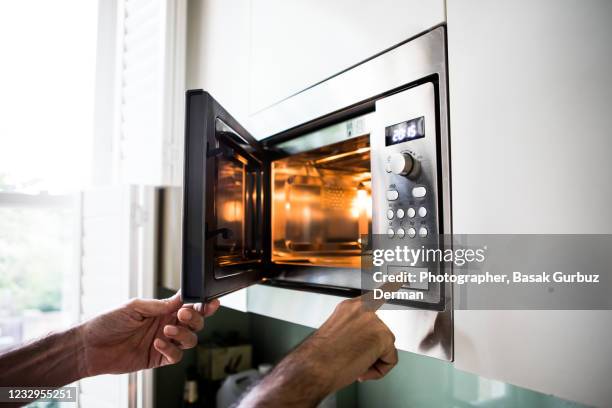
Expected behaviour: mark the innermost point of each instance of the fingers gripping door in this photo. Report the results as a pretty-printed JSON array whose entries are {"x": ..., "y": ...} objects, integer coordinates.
[{"x": 225, "y": 201}]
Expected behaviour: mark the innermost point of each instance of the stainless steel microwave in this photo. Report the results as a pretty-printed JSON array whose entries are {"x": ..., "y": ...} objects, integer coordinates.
[{"x": 364, "y": 152}]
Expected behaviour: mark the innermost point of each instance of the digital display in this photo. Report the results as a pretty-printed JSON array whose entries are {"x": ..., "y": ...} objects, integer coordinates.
[{"x": 405, "y": 131}]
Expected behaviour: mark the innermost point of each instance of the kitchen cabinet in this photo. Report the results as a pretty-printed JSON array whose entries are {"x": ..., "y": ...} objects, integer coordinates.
[
  {"x": 295, "y": 44},
  {"x": 530, "y": 100},
  {"x": 218, "y": 48},
  {"x": 253, "y": 53}
]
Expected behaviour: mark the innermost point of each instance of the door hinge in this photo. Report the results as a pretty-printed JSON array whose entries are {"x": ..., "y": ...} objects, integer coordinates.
[{"x": 222, "y": 150}]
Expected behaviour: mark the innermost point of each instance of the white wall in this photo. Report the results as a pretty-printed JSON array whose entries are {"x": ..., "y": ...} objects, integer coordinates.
[{"x": 530, "y": 102}]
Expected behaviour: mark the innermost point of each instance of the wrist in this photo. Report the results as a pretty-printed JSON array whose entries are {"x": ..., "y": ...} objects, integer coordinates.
[
  {"x": 317, "y": 364},
  {"x": 78, "y": 338},
  {"x": 308, "y": 367},
  {"x": 299, "y": 380}
]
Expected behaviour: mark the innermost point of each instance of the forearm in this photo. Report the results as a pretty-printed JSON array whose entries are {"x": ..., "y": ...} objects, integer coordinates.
[
  {"x": 297, "y": 381},
  {"x": 52, "y": 361}
]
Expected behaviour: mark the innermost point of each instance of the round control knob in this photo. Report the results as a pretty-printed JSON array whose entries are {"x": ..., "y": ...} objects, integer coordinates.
[{"x": 402, "y": 164}]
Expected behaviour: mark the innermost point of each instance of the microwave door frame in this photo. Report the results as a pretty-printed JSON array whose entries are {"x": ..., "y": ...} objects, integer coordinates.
[{"x": 202, "y": 277}]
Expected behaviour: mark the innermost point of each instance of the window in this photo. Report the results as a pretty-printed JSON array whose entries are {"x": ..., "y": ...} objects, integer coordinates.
[
  {"x": 46, "y": 125},
  {"x": 37, "y": 258}
]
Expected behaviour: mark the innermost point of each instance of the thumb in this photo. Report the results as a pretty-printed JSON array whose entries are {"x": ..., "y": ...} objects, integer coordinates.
[
  {"x": 174, "y": 302},
  {"x": 157, "y": 307}
]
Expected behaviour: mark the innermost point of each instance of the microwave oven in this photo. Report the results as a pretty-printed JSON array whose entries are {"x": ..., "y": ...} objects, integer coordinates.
[{"x": 364, "y": 153}]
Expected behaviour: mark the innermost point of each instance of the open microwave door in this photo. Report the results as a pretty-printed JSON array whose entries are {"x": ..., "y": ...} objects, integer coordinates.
[{"x": 226, "y": 189}]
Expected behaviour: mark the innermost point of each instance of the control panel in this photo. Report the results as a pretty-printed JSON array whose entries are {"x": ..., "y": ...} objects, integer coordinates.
[
  {"x": 406, "y": 176},
  {"x": 406, "y": 151}
]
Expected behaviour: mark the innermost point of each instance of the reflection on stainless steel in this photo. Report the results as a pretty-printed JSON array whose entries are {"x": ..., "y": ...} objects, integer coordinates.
[
  {"x": 322, "y": 205},
  {"x": 355, "y": 127}
]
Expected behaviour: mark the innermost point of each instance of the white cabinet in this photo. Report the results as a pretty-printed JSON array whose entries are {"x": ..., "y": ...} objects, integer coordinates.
[
  {"x": 295, "y": 44},
  {"x": 252, "y": 53},
  {"x": 218, "y": 40},
  {"x": 530, "y": 102}
]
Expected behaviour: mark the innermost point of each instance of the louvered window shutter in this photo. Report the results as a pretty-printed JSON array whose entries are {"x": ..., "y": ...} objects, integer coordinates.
[{"x": 150, "y": 94}]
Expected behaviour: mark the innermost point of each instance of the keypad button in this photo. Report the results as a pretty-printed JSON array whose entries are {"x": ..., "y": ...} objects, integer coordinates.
[
  {"x": 390, "y": 214},
  {"x": 411, "y": 232},
  {"x": 422, "y": 232},
  {"x": 411, "y": 212},
  {"x": 400, "y": 213},
  {"x": 392, "y": 195},
  {"x": 390, "y": 233},
  {"x": 419, "y": 192},
  {"x": 422, "y": 212}
]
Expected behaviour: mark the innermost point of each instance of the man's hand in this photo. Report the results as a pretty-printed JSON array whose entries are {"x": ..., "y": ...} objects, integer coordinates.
[
  {"x": 141, "y": 334},
  {"x": 353, "y": 344}
]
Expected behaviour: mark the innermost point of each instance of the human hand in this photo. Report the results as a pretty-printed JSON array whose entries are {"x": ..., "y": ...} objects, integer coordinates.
[
  {"x": 143, "y": 333},
  {"x": 353, "y": 344}
]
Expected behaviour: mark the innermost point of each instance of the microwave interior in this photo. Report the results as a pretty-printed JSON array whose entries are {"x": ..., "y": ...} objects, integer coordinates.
[{"x": 321, "y": 211}]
